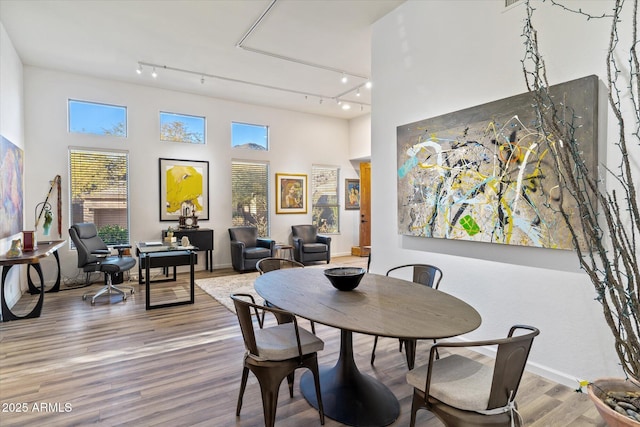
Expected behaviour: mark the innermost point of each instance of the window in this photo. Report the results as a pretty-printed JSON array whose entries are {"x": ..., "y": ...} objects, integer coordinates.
[
  {"x": 324, "y": 198},
  {"x": 249, "y": 195},
  {"x": 100, "y": 192},
  {"x": 251, "y": 137},
  {"x": 99, "y": 119},
  {"x": 181, "y": 128}
]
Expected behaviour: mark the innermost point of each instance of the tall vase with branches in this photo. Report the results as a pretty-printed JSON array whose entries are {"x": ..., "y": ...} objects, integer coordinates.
[{"x": 606, "y": 238}]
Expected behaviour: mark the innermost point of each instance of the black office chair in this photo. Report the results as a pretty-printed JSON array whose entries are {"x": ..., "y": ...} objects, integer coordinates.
[
  {"x": 423, "y": 274},
  {"x": 94, "y": 255}
]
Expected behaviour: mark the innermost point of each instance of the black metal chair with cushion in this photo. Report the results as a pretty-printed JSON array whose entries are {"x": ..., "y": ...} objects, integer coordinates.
[
  {"x": 95, "y": 255},
  {"x": 247, "y": 248},
  {"x": 423, "y": 274},
  {"x": 266, "y": 265},
  {"x": 274, "y": 353},
  {"x": 309, "y": 246},
  {"x": 461, "y": 391}
]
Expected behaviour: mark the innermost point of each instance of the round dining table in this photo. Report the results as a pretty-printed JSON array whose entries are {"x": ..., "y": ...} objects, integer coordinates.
[{"x": 380, "y": 305}]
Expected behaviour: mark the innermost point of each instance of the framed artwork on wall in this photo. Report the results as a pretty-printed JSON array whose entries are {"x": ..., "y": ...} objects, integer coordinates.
[
  {"x": 11, "y": 191},
  {"x": 352, "y": 194},
  {"x": 184, "y": 189},
  {"x": 485, "y": 174},
  {"x": 291, "y": 193}
]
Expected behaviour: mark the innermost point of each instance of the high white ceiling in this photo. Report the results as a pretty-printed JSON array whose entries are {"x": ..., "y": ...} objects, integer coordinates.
[{"x": 304, "y": 45}]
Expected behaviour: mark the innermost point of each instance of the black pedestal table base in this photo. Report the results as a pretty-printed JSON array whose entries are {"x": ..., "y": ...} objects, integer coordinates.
[{"x": 349, "y": 396}]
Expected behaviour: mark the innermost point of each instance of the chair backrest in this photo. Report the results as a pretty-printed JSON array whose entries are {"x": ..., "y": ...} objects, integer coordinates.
[
  {"x": 511, "y": 360},
  {"x": 245, "y": 234},
  {"x": 243, "y": 304},
  {"x": 269, "y": 264},
  {"x": 424, "y": 274},
  {"x": 85, "y": 238},
  {"x": 308, "y": 233}
]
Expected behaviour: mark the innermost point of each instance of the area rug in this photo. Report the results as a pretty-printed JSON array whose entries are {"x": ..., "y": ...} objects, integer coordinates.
[{"x": 222, "y": 287}]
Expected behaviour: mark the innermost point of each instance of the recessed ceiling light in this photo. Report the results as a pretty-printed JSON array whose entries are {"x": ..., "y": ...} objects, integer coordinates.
[{"x": 344, "y": 78}]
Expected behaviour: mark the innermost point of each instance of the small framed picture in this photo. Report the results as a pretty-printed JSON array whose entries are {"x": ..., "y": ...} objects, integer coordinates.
[
  {"x": 351, "y": 194},
  {"x": 291, "y": 193},
  {"x": 184, "y": 189}
]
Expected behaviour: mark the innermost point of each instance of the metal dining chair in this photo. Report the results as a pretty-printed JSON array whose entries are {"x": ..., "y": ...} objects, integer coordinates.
[
  {"x": 266, "y": 265},
  {"x": 462, "y": 391},
  {"x": 423, "y": 274},
  {"x": 274, "y": 353}
]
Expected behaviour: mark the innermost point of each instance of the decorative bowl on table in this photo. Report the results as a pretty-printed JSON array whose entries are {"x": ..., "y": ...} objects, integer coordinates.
[{"x": 345, "y": 278}]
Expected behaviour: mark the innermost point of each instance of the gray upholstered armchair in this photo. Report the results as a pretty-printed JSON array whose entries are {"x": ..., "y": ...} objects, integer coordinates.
[
  {"x": 247, "y": 248},
  {"x": 308, "y": 245}
]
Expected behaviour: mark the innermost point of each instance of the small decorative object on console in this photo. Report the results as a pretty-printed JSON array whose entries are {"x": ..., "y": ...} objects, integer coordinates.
[
  {"x": 15, "y": 250},
  {"x": 345, "y": 278}
]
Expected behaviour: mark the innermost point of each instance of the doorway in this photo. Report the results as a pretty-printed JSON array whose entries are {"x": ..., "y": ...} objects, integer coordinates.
[{"x": 364, "y": 240}]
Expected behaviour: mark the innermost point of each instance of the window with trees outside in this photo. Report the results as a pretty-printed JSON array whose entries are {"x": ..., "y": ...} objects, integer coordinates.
[
  {"x": 325, "y": 205},
  {"x": 249, "y": 195},
  {"x": 182, "y": 128},
  {"x": 100, "y": 192},
  {"x": 96, "y": 118}
]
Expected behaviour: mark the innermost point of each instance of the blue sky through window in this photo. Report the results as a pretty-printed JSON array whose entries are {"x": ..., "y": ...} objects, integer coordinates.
[
  {"x": 190, "y": 128},
  {"x": 100, "y": 119},
  {"x": 255, "y": 137}
]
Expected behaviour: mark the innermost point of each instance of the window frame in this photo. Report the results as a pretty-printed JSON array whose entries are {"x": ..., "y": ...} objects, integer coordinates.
[
  {"x": 335, "y": 207},
  {"x": 192, "y": 116},
  {"x": 245, "y": 146},
  {"x": 102, "y": 104},
  {"x": 263, "y": 231},
  {"x": 115, "y": 152}
]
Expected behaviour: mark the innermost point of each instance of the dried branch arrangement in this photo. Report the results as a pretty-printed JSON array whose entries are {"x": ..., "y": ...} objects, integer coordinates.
[{"x": 606, "y": 240}]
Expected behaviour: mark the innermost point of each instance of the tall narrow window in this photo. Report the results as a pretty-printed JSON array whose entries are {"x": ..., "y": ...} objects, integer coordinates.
[
  {"x": 249, "y": 195},
  {"x": 100, "y": 192},
  {"x": 324, "y": 198},
  {"x": 96, "y": 118}
]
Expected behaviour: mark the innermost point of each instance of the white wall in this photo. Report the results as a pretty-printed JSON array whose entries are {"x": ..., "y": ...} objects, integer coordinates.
[
  {"x": 296, "y": 142},
  {"x": 12, "y": 128},
  {"x": 435, "y": 57},
  {"x": 360, "y": 137}
]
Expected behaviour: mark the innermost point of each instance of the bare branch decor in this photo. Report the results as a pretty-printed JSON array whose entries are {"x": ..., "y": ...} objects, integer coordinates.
[{"x": 606, "y": 239}]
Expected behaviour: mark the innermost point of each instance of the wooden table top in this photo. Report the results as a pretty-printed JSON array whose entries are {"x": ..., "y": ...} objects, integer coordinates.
[
  {"x": 44, "y": 249},
  {"x": 380, "y": 305}
]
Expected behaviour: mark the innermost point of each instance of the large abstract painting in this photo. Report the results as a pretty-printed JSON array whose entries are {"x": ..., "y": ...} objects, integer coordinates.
[
  {"x": 485, "y": 174},
  {"x": 11, "y": 194},
  {"x": 184, "y": 189}
]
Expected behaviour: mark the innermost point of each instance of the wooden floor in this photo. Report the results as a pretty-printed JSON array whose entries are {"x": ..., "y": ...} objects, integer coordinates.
[{"x": 118, "y": 364}]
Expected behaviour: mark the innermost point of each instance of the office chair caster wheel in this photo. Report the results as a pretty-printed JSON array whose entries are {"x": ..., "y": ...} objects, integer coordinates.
[
  {"x": 93, "y": 302},
  {"x": 84, "y": 297}
]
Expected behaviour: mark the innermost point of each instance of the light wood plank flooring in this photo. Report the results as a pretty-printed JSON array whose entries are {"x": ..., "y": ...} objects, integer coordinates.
[{"x": 118, "y": 364}]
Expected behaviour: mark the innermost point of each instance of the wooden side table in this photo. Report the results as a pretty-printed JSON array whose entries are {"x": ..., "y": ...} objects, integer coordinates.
[
  {"x": 281, "y": 247},
  {"x": 32, "y": 259}
]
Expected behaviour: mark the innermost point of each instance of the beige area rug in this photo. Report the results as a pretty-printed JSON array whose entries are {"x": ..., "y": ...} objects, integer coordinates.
[{"x": 222, "y": 287}]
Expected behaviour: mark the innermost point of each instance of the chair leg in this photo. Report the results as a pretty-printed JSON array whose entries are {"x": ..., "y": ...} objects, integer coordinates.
[
  {"x": 316, "y": 378},
  {"x": 313, "y": 327},
  {"x": 243, "y": 385},
  {"x": 290, "y": 379},
  {"x": 416, "y": 404},
  {"x": 373, "y": 352}
]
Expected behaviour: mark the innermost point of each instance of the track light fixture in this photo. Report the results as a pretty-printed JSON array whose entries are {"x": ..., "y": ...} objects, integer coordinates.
[
  {"x": 306, "y": 95},
  {"x": 344, "y": 78}
]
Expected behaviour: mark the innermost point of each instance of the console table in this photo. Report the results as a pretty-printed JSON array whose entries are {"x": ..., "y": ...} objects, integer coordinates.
[
  {"x": 153, "y": 256},
  {"x": 32, "y": 259},
  {"x": 202, "y": 238}
]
